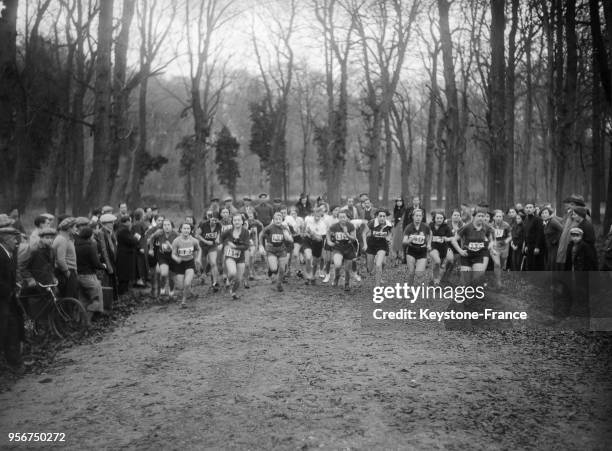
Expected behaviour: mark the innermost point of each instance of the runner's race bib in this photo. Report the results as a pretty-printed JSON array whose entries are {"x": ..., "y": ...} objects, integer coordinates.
[
  {"x": 499, "y": 233},
  {"x": 277, "y": 238},
  {"x": 226, "y": 227},
  {"x": 475, "y": 246},
  {"x": 166, "y": 247},
  {"x": 438, "y": 239},
  {"x": 185, "y": 251},
  {"x": 379, "y": 234},
  {"x": 212, "y": 236},
  {"x": 232, "y": 253},
  {"x": 340, "y": 236},
  {"x": 417, "y": 239}
]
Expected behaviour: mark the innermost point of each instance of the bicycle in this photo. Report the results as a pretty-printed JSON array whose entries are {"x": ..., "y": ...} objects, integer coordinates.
[{"x": 65, "y": 317}]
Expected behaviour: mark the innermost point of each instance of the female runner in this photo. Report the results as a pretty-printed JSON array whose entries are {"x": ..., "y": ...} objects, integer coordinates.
[
  {"x": 255, "y": 227},
  {"x": 208, "y": 235},
  {"x": 441, "y": 254},
  {"x": 274, "y": 238},
  {"x": 455, "y": 223},
  {"x": 186, "y": 253},
  {"x": 315, "y": 231},
  {"x": 502, "y": 234},
  {"x": 377, "y": 243},
  {"x": 342, "y": 239},
  {"x": 235, "y": 242},
  {"x": 417, "y": 238},
  {"x": 330, "y": 219},
  {"x": 161, "y": 241},
  {"x": 475, "y": 240}
]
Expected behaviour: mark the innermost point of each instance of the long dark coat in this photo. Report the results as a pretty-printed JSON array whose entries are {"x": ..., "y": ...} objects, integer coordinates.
[{"x": 127, "y": 247}]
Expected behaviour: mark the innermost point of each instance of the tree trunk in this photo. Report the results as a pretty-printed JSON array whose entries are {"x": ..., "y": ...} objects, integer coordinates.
[
  {"x": 374, "y": 153},
  {"x": 452, "y": 102},
  {"x": 528, "y": 124},
  {"x": 510, "y": 103},
  {"x": 568, "y": 109},
  {"x": 497, "y": 156},
  {"x": 99, "y": 176},
  {"x": 597, "y": 170},
  {"x": 119, "y": 117},
  {"x": 388, "y": 160},
  {"x": 8, "y": 87},
  {"x": 138, "y": 169}
]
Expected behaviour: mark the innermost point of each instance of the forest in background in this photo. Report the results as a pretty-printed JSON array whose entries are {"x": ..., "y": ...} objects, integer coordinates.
[{"x": 456, "y": 101}]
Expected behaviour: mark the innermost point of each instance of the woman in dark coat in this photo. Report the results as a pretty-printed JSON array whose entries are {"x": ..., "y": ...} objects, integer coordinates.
[
  {"x": 139, "y": 229},
  {"x": 552, "y": 233},
  {"x": 398, "y": 232},
  {"x": 127, "y": 247}
]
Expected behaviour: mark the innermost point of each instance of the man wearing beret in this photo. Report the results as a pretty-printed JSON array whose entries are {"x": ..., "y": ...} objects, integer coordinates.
[
  {"x": 11, "y": 319},
  {"x": 65, "y": 258}
]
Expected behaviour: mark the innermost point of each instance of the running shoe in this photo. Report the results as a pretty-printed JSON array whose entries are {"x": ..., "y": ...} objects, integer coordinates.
[
  {"x": 183, "y": 304},
  {"x": 246, "y": 284},
  {"x": 215, "y": 287},
  {"x": 357, "y": 277},
  {"x": 326, "y": 279},
  {"x": 347, "y": 287}
]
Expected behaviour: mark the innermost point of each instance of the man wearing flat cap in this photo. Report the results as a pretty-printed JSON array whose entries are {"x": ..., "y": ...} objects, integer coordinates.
[
  {"x": 107, "y": 246},
  {"x": 247, "y": 207},
  {"x": 11, "y": 319},
  {"x": 65, "y": 258}
]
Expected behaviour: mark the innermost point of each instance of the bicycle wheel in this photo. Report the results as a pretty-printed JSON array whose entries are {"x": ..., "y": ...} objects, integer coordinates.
[{"x": 68, "y": 318}]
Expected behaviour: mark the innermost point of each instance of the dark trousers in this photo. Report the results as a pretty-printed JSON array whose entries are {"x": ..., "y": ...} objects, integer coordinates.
[
  {"x": 68, "y": 286},
  {"x": 11, "y": 331}
]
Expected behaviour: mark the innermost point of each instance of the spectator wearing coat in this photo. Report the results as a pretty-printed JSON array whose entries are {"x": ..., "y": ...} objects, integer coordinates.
[{"x": 127, "y": 248}]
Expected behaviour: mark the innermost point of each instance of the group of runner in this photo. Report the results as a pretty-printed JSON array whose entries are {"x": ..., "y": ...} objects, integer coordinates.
[{"x": 328, "y": 242}]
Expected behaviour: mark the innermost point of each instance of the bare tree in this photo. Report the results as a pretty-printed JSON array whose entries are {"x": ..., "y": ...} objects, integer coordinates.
[
  {"x": 155, "y": 19},
  {"x": 208, "y": 79},
  {"x": 453, "y": 132},
  {"x": 277, "y": 76},
  {"x": 121, "y": 129},
  {"x": 331, "y": 137},
  {"x": 384, "y": 30},
  {"x": 99, "y": 175}
]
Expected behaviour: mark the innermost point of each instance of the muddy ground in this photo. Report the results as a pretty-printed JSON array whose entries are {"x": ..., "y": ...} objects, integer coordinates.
[{"x": 298, "y": 371}]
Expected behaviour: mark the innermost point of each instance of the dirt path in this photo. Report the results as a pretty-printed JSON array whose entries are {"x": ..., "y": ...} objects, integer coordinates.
[{"x": 301, "y": 372}]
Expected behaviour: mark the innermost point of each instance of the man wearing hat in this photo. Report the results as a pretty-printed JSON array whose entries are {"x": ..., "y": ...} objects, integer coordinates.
[
  {"x": 247, "y": 207},
  {"x": 572, "y": 201},
  {"x": 582, "y": 258},
  {"x": 40, "y": 222},
  {"x": 264, "y": 210},
  {"x": 11, "y": 319},
  {"x": 41, "y": 264},
  {"x": 277, "y": 205},
  {"x": 229, "y": 204},
  {"x": 65, "y": 258},
  {"x": 107, "y": 246},
  {"x": 534, "y": 239}
]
